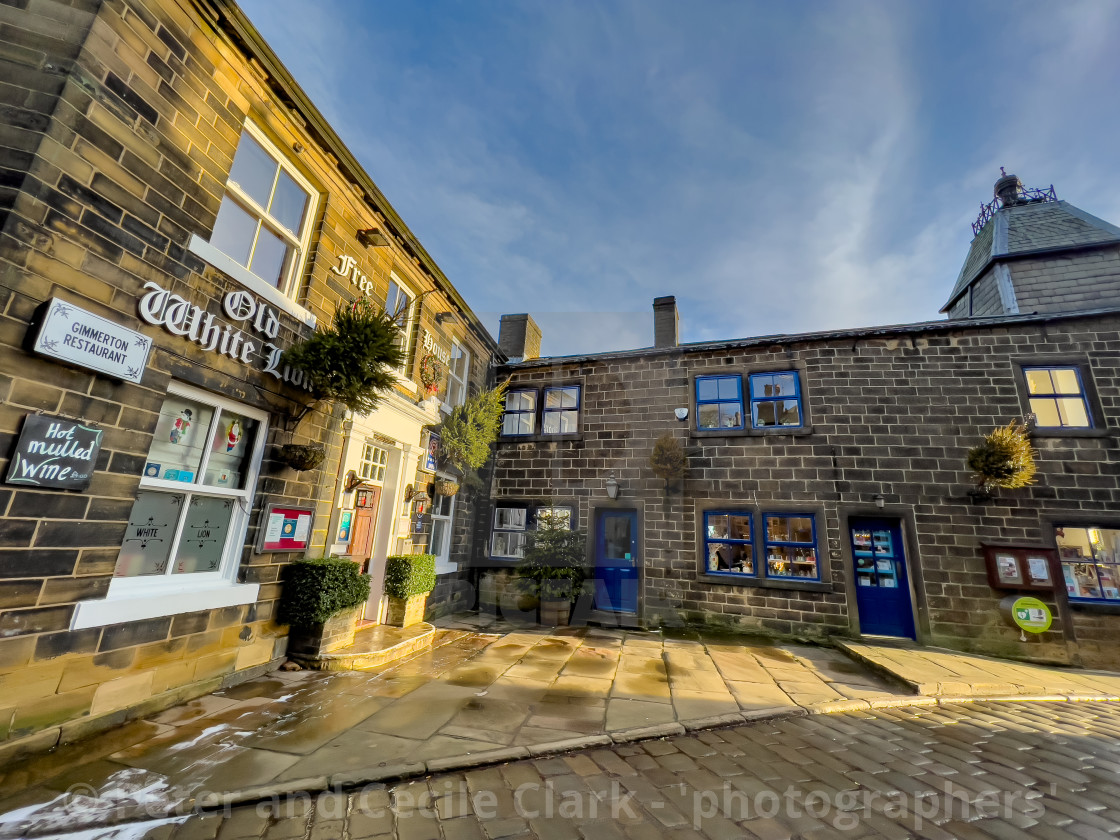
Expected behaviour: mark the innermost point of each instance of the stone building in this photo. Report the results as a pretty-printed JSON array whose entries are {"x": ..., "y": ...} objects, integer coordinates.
[
  {"x": 174, "y": 213},
  {"x": 827, "y": 492}
]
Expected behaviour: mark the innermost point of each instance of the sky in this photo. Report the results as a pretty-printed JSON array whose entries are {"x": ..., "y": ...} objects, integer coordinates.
[{"x": 778, "y": 167}]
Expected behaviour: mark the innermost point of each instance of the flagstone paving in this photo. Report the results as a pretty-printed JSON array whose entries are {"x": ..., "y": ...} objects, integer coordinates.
[{"x": 494, "y": 697}]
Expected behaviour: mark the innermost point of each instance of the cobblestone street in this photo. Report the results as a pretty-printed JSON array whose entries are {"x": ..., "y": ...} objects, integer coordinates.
[{"x": 1046, "y": 770}]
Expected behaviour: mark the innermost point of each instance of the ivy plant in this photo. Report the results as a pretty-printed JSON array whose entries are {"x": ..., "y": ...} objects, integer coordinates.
[{"x": 352, "y": 361}]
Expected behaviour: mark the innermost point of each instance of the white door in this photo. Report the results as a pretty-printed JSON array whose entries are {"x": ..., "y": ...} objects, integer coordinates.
[{"x": 443, "y": 510}]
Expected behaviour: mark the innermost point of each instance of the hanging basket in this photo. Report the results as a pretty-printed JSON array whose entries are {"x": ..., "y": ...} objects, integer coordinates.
[
  {"x": 300, "y": 457},
  {"x": 446, "y": 487}
]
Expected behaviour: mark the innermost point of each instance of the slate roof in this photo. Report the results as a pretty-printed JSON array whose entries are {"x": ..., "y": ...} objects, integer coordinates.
[{"x": 1030, "y": 228}]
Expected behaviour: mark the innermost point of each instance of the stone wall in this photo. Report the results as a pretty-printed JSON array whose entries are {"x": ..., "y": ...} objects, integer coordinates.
[{"x": 889, "y": 415}]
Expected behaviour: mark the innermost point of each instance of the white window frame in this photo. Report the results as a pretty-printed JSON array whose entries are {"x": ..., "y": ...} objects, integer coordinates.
[
  {"x": 465, "y": 354},
  {"x": 406, "y": 328},
  {"x": 443, "y": 562},
  {"x": 300, "y": 240},
  {"x": 516, "y": 527},
  {"x": 376, "y": 466},
  {"x": 152, "y": 596}
]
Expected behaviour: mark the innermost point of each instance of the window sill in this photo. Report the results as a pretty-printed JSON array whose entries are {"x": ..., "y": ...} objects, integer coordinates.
[
  {"x": 1099, "y": 607},
  {"x": 766, "y": 583},
  {"x": 205, "y": 251},
  {"x": 790, "y": 431},
  {"x": 538, "y": 438},
  {"x": 1069, "y": 433},
  {"x": 138, "y": 606},
  {"x": 446, "y": 567}
]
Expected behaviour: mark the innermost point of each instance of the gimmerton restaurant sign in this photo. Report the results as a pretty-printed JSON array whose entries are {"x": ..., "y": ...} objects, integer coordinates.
[
  {"x": 81, "y": 338},
  {"x": 243, "y": 341}
]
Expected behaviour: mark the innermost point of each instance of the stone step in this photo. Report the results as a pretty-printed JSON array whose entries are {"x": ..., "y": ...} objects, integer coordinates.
[{"x": 375, "y": 646}]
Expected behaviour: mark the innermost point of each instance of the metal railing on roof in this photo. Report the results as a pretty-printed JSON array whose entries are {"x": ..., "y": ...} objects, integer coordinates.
[{"x": 1023, "y": 196}]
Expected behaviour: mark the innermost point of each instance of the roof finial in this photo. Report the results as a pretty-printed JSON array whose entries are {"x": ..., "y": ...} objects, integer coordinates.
[{"x": 1003, "y": 172}]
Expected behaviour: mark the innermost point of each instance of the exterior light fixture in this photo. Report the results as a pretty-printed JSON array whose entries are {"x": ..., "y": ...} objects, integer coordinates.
[
  {"x": 681, "y": 413},
  {"x": 352, "y": 481},
  {"x": 879, "y": 501},
  {"x": 612, "y": 486}
]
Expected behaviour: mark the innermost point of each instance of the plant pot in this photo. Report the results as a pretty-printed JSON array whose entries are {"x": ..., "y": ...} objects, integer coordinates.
[
  {"x": 404, "y": 612},
  {"x": 445, "y": 487},
  {"x": 555, "y": 612},
  {"x": 301, "y": 457},
  {"x": 334, "y": 633}
]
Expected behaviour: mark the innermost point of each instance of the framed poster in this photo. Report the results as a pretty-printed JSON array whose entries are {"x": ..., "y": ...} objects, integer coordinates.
[
  {"x": 1019, "y": 566},
  {"x": 431, "y": 456},
  {"x": 285, "y": 528},
  {"x": 345, "y": 522}
]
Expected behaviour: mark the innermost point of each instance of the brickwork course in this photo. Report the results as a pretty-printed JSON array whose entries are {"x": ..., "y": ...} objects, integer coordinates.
[{"x": 121, "y": 122}]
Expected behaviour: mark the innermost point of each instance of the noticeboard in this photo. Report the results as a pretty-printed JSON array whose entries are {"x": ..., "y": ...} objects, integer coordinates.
[
  {"x": 1020, "y": 567},
  {"x": 285, "y": 528}
]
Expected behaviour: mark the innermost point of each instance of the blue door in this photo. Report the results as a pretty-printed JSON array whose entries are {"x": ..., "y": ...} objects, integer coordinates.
[
  {"x": 882, "y": 587},
  {"x": 616, "y": 561}
]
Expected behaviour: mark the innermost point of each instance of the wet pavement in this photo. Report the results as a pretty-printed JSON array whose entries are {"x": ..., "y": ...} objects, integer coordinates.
[
  {"x": 472, "y": 695},
  {"x": 1009, "y": 770}
]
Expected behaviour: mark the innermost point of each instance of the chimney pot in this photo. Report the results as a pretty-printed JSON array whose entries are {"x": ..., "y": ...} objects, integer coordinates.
[
  {"x": 519, "y": 337},
  {"x": 666, "y": 322},
  {"x": 1008, "y": 190}
]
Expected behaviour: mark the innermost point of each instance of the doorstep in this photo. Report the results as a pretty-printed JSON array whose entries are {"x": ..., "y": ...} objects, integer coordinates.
[{"x": 374, "y": 645}]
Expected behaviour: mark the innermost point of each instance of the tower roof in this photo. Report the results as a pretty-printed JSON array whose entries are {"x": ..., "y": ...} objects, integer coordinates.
[{"x": 1020, "y": 222}]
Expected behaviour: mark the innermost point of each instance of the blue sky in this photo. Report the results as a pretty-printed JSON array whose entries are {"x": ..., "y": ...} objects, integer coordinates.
[{"x": 779, "y": 167}]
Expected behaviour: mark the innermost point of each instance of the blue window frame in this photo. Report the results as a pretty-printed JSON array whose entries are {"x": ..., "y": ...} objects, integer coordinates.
[
  {"x": 728, "y": 543},
  {"x": 520, "y": 417},
  {"x": 560, "y": 415},
  {"x": 791, "y": 546},
  {"x": 1090, "y": 558},
  {"x": 775, "y": 399},
  {"x": 719, "y": 402},
  {"x": 1057, "y": 397}
]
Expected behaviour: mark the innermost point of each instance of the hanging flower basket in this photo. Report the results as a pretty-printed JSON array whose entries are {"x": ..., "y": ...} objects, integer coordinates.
[
  {"x": 301, "y": 457},
  {"x": 431, "y": 374},
  {"x": 446, "y": 487}
]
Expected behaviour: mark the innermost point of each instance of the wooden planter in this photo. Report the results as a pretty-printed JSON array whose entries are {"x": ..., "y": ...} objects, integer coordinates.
[
  {"x": 335, "y": 633},
  {"x": 404, "y": 612},
  {"x": 555, "y": 612}
]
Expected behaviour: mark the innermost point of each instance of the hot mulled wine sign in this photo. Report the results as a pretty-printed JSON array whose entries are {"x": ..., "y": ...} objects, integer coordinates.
[{"x": 54, "y": 452}]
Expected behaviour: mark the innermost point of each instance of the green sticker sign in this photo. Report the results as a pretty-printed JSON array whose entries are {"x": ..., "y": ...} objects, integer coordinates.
[{"x": 1031, "y": 615}]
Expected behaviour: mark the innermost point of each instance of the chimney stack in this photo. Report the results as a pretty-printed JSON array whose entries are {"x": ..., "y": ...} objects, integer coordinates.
[
  {"x": 519, "y": 337},
  {"x": 665, "y": 322}
]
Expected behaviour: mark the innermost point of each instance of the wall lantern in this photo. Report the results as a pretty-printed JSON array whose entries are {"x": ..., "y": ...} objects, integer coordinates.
[
  {"x": 879, "y": 501},
  {"x": 352, "y": 481},
  {"x": 612, "y": 486},
  {"x": 681, "y": 414}
]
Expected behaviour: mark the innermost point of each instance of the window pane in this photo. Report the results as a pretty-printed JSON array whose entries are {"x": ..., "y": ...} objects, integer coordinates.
[
  {"x": 454, "y": 392},
  {"x": 1110, "y": 582},
  {"x": 234, "y": 231},
  {"x": 801, "y": 529},
  {"x": 151, "y": 528},
  {"x": 729, "y": 388},
  {"x": 439, "y": 536},
  {"x": 761, "y": 386},
  {"x": 509, "y": 518},
  {"x": 552, "y": 398},
  {"x": 270, "y": 257},
  {"x": 253, "y": 169},
  {"x": 730, "y": 416},
  {"x": 289, "y": 203},
  {"x": 777, "y": 528},
  {"x": 203, "y": 540},
  {"x": 1046, "y": 412},
  {"x": 765, "y": 414},
  {"x": 740, "y": 528},
  {"x": 790, "y": 413},
  {"x": 551, "y": 423},
  {"x": 725, "y": 557},
  {"x": 526, "y": 424},
  {"x": 1038, "y": 381},
  {"x": 526, "y": 401},
  {"x": 785, "y": 385},
  {"x": 708, "y": 416},
  {"x": 509, "y": 424},
  {"x": 1072, "y": 412},
  {"x": 787, "y": 561},
  {"x": 569, "y": 422},
  {"x": 1081, "y": 580},
  {"x": 707, "y": 389},
  {"x": 569, "y": 397},
  {"x": 229, "y": 451},
  {"x": 1065, "y": 381},
  {"x": 717, "y": 525},
  {"x": 180, "y": 436}
]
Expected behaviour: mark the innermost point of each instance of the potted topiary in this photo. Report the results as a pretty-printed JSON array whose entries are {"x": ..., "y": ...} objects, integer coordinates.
[
  {"x": 408, "y": 580},
  {"x": 321, "y": 601},
  {"x": 1005, "y": 459},
  {"x": 554, "y": 564}
]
